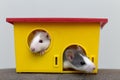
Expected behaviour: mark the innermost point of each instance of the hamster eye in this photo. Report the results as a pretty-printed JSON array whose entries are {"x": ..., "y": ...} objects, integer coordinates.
[
  {"x": 82, "y": 63},
  {"x": 40, "y": 41}
]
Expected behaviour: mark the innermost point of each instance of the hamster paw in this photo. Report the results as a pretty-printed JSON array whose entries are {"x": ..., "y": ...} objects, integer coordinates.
[{"x": 42, "y": 52}]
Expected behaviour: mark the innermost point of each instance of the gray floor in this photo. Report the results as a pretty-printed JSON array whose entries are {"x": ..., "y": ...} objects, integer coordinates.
[{"x": 103, "y": 74}]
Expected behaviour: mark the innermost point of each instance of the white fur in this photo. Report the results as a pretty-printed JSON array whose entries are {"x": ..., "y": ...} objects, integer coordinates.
[{"x": 67, "y": 64}]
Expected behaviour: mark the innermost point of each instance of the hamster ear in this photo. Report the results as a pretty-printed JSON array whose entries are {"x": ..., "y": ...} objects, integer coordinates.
[
  {"x": 81, "y": 50},
  {"x": 36, "y": 31},
  {"x": 70, "y": 55},
  {"x": 47, "y": 36}
]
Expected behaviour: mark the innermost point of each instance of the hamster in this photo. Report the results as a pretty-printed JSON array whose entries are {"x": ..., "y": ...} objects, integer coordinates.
[
  {"x": 40, "y": 42},
  {"x": 75, "y": 58}
]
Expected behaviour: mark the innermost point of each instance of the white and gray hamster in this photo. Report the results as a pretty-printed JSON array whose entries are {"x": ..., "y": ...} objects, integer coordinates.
[
  {"x": 40, "y": 42},
  {"x": 75, "y": 58}
]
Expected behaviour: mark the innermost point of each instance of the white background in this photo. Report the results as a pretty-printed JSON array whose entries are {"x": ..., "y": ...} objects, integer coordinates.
[{"x": 109, "y": 50}]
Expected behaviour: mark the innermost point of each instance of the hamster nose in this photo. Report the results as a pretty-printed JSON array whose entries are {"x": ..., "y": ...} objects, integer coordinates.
[
  {"x": 33, "y": 49},
  {"x": 93, "y": 68}
]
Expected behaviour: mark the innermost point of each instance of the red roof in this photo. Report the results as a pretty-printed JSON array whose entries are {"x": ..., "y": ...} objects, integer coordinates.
[{"x": 102, "y": 21}]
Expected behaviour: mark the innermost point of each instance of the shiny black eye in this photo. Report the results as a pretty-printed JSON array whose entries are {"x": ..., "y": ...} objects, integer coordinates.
[
  {"x": 40, "y": 41},
  {"x": 82, "y": 63}
]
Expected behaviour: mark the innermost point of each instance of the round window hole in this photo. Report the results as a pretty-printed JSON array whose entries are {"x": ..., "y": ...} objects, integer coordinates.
[{"x": 39, "y": 41}]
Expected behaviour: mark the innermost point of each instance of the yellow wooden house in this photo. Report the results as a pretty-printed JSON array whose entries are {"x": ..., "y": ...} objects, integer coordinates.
[{"x": 63, "y": 32}]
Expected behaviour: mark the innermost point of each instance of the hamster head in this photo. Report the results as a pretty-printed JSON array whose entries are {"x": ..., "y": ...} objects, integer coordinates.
[
  {"x": 40, "y": 42},
  {"x": 78, "y": 61}
]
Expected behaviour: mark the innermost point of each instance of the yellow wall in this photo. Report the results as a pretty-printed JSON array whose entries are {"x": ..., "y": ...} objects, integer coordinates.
[{"x": 62, "y": 35}]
